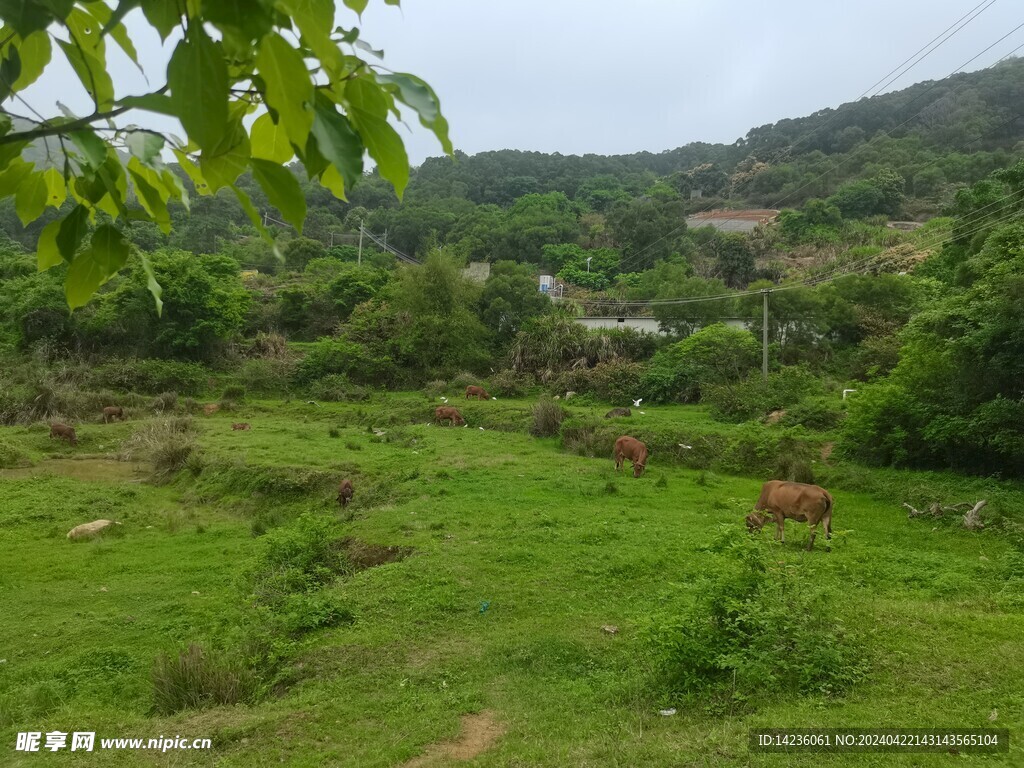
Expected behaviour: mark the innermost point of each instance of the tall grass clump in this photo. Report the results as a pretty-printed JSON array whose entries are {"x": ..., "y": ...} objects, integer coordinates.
[
  {"x": 196, "y": 678},
  {"x": 756, "y": 627},
  {"x": 546, "y": 418},
  {"x": 169, "y": 445}
]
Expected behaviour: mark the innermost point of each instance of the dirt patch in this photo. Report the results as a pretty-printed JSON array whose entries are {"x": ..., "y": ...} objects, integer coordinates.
[
  {"x": 363, "y": 555},
  {"x": 826, "y": 450},
  {"x": 477, "y": 734},
  {"x": 91, "y": 469}
]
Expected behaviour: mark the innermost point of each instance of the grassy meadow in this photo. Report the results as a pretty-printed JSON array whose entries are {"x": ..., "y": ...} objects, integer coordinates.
[{"x": 459, "y": 605}]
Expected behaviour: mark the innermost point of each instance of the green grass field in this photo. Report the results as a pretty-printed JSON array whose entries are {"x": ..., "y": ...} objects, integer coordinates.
[{"x": 519, "y": 553}]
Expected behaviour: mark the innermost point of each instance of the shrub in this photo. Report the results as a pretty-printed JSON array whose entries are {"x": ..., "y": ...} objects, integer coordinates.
[
  {"x": 462, "y": 380},
  {"x": 337, "y": 388},
  {"x": 233, "y": 394},
  {"x": 757, "y": 627},
  {"x": 716, "y": 355},
  {"x": 195, "y": 678},
  {"x": 509, "y": 383},
  {"x": 617, "y": 381},
  {"x": 435, "y": 388},
  {"x": 754, "y": 397},
  {"x": 153, "y": 376},
  {"x": 547, "y": 418},
  {"x": 169, "y": 445},
  {"x": 12, "y": 456},
  {"x": 813, "y": 414},
  {"x": 266, "y": 376},
  {"x": 165, "y": 401}
]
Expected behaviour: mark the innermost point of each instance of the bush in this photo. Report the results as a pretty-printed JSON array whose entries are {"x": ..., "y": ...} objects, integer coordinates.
[
  {"x": 435, "y": 388},
  {"x": 813, "y": 414},
  {"x": 266, "y": 376},
  {"x": 755, "y": 397},
  {"x": 165, "y": 402},
  {"x": 757, "y": 627},
  {"x": 12, "y": 456},
  {"x": 509, "y": 383},
  {"x": 337, "y": 388},
  {"x": 547, "y": 418},
  {"x": 169, "y": 445},
  {"x": 151, "y": 377},
  {"x": 233, "y": 394},
  {"x": 716, "y": 355},
  {"x": 460, "y": 381},
  {"x": 196, "y": 678}
]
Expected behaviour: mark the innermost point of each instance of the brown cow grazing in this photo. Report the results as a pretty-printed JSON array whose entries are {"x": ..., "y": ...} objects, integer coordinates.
[
  {"x": 345, "y": 491},
  {"x": 449, "y": 414},
  {"x": 618, "y": 412},
  {"x": 804, "y": 503},
  {"x": 112, "y": 412},
  {"x": 241, "y": 426},
  {"x": 64, "y": 432},
  {"x": 630, "y": 448},
  {"x": 478, "y": 392}
]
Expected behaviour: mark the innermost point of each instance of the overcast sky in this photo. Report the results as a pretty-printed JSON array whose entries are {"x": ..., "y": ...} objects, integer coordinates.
[{"x": 579, "y": 76}]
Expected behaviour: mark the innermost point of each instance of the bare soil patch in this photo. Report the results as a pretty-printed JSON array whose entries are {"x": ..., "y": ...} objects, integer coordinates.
[
  {"x": 477, "y": 734},
  {"x": 91, "y": 469},
  {"x": 363, "y": 555}
]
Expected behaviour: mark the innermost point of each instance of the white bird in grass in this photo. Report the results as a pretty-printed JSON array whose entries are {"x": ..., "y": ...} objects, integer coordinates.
[
  {"x": 444, "y": 399},
  {"x": 687, "y": 447},
  {"x": 494, "y": 398},
  {"x": 481, "y": 429},
  {"x": 642, "y": 413},
  {"x": 636, "y": 403}
]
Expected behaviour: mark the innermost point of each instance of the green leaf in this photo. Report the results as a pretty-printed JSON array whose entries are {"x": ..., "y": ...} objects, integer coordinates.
[
  {"x": 152, "y": 284},
  {"x": 25, "y": 17},
  {"x": 47, "y": 253},
  {"x": 30, "y": 200},
  {"x": 113, "y": 27},
  {"x": 10, "y": 72},
  {"x": 414, "y": 92},
  {"x": 164, "y": 15},
  {"x": 337, "y": 142},
  {"x": 357, "y": 5},
  {"x": 314, "y": 19},
  {"x": 368, "y": 110},
  {"x": 254, "y": 217},
  {"x": 331, "y": 179},
  {"x": 282, "y": 190},
  {"x": 289, "y": 89},
  {"x": 92, "y": 147},
  {"x": 107, "y": 253},
  {"x": 151, "y": 102},
  {"x": 269, "y": 141},
  {"x": 144, "y": 145},
  {"x": 193, "y": 172},
  {"x": 35, "y": 52},
  {"x": 151, "y": 202},
  {"x": 56, "y": 189},
  {"x": 119, "y": 13},
  {"x": 92, "y": 73},
  {"x": 10, "y": 152},
  {"x": 11, "y": 178},
  {"x": 249, "y": 17},
  {"x": 198, "y": 78},
  {"x": 72, "y": 231},
  {"x": 221, "y": 170}
]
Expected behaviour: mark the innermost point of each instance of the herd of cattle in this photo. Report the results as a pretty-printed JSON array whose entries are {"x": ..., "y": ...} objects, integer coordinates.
[{"x": 778, "y": 501}]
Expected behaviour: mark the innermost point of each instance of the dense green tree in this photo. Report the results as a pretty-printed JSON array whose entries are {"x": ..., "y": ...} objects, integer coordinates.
[{"x": 510, "y": 298}]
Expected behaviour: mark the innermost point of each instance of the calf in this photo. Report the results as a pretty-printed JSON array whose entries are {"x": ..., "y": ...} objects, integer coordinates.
[
  {"x": 618, "y": 412},
  {"x": 797, "y": 501},
  {"x": 449, "y": 414},
  {"x": 242, "y": 426},
  {"x": 112, "y": 412},
  {"x": 345, "y": 492},
  {"x": 63, "y": 432},
  {"x": 630, "y": 448},
  {"x": 478, "y": 392}
]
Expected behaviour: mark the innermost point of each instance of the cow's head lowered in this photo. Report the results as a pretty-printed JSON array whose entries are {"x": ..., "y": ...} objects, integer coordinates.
[
  {"x": 638, "y": 466},
  {"x": 755, "y": 522}
]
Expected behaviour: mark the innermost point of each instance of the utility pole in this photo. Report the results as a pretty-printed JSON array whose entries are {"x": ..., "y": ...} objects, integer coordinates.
[
  {"x": 588, "y": 264},
  {"x": 360, "y": 261},
  {"x": 764, "y": 335}
]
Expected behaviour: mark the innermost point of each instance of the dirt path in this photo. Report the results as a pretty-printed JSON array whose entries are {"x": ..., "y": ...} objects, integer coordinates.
[{"x": 477, "y": 734}]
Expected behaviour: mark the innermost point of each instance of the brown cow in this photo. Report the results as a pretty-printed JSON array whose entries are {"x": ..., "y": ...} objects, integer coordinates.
[
  {"x": 478, "y": 392},
  {"x": 64, "y": 432},
  {"x": 630, "y": 448},
  {"x": 243, "y": 425},
  {"x": 798, "y": 501},
  {"x": 345, "y": 492},
  {"x": 618, "y": 412},
  {"x": 112, "y": 412},
  {"x": 447, "y": 413}
]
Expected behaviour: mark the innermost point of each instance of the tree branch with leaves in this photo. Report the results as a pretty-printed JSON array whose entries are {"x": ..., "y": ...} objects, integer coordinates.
[{"x": 314, "y": 97}]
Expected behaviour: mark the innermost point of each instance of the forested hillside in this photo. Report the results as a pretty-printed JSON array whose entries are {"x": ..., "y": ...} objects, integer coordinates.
[{"x": 920, "y": 314}]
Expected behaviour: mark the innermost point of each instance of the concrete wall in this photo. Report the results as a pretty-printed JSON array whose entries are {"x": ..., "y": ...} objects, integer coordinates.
[
  {"x": 648, "y": 324},
  {"x": 477, "y": 271}
]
